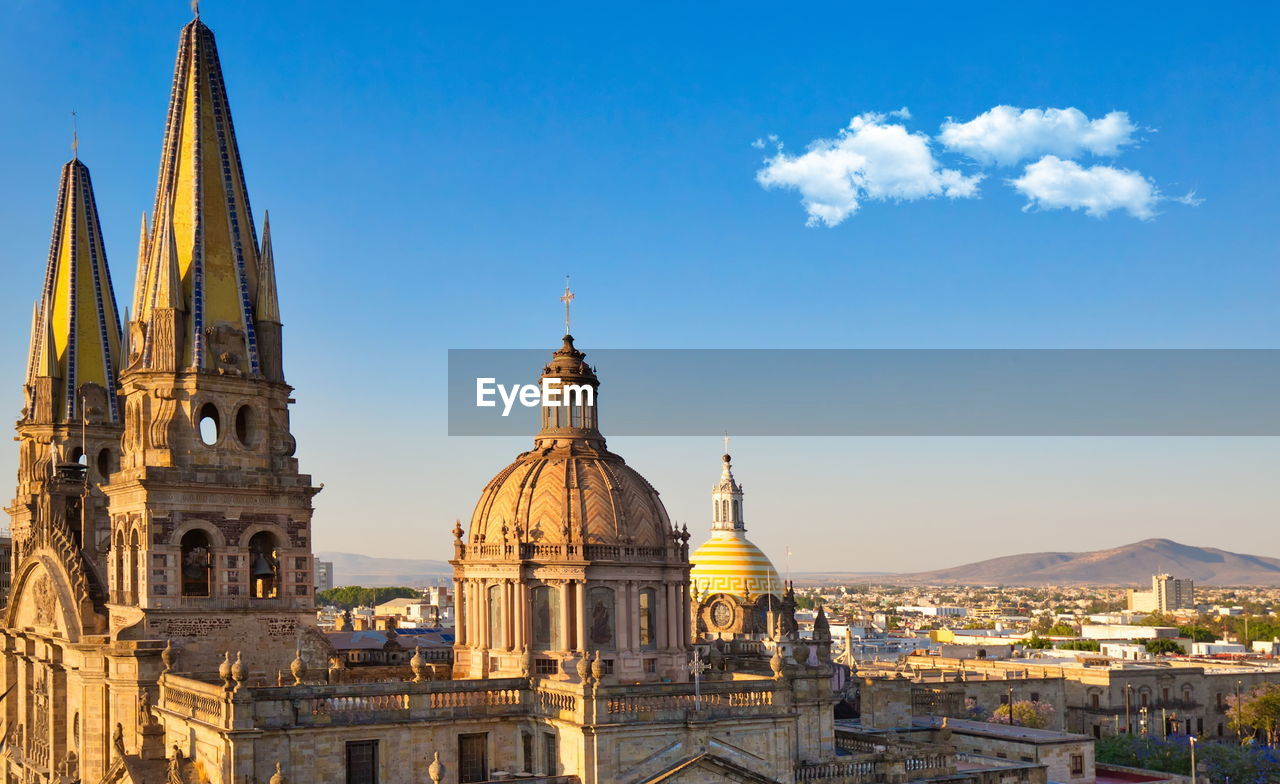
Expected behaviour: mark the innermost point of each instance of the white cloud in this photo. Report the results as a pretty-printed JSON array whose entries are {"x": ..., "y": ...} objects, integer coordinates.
[
  {"x": 1005, "y": 135},
  {"x": 869, "y": 160},
  {"x": 1052, "y": 183}
]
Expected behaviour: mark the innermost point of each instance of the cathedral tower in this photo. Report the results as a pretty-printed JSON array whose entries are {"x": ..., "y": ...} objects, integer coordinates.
[
  {"x": 210, "y": 519},
  {"x": 69, "y": 431},
  {"x": 68, "y": 446},
  {"x": 736, "y": 589},
  {"x": 570, "y": 557}
]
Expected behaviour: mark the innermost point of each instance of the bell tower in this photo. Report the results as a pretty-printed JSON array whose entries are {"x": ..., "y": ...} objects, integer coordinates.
[
  {"x": 210, "y": 518},
  {"x": 70, "y": 427}
]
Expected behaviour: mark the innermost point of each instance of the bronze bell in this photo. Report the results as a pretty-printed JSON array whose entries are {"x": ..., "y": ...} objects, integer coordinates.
[{"x": 262, "y": 568}]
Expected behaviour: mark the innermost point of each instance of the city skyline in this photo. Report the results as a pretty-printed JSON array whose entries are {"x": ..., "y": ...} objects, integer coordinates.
[{"x": 672, "y": 242}]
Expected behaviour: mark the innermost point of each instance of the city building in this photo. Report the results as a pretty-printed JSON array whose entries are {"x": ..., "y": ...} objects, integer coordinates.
[
  {"x": 1167, "y": 594},
  {"x": 324, "y": 575}
]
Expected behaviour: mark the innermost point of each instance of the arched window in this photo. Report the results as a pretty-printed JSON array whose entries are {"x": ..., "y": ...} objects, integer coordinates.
[
  {"x": 737, "y": 511},
  {"x": 135, "y": 567},
  {"x": 120, "y": 586},
  {"x": 600, "y": 617},
  {"x": 495, "y": 616},
  {"x": 546, "y": 618},
  {"x": 264, "y": 566},
  {"x": 648, "y": 619},
  {"x": 210, "y": 424},
  {"x": 197, "y": 561}
]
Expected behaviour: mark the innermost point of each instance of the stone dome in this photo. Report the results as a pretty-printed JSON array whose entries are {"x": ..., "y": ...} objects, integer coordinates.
[
  {"x": 570, "y": 489},
  {"x": 729, "y": 563},
  {"x": 552, "y": 498}
]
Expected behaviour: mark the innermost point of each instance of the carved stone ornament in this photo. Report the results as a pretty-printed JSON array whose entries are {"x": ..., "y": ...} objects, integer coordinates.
[{"x": 298, "y": 667}]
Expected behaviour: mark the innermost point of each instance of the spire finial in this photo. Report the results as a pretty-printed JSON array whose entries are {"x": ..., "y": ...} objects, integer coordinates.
[
  {"x": 195, "y": 8},
  {"x": 566, "y": 299},
  {"x": 726, "y": 442},
  {"x": 75, "y": 138}
]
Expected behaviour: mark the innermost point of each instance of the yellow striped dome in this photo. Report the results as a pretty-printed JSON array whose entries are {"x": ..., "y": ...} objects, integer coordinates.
[{"x": 729, "y": 563}]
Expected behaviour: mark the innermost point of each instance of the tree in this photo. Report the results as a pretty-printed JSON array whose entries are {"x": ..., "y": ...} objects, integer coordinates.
[
  {"x": 1257, "y": 714},
  {"x": 1060, "y": 630},
  {"x": 1080, "y": 645},
  {"x": 1162, "y": 646},
  {"x": 1026, "y": 713},
  {"x": 1036, "y": 642},
  {"x": 349, "y": 596},
  {"x": 1196, "y": 633}
]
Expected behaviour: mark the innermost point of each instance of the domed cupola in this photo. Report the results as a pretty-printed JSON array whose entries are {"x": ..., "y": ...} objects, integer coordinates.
[
  {"x": 734, "y": 583},
  {"x": 570, "y": 554}
]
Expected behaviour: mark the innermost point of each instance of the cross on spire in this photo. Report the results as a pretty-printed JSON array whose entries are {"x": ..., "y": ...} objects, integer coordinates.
[
  {"x": 566, "y": 299},
  {"x": 75, "y": 138},
  {"x": 726, "y": 442}
]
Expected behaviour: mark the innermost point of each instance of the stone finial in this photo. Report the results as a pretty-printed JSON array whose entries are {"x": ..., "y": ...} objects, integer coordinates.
[
  {"x": 224, "y": 669},
  {"x": 436, "y": 769},
  {"x": 278, "y": 776},
  {"x": 584, "y": 668},
  {"x": 298, "y": 667},
  {"x": 239, "y": 671},
  {"x": 597, "y": 668},
  {"x": 168, "y": 655},
  {"x": 775, "y": 663},
  {"x": 457, "y": 530},
  {"x": 417, "y": 664}
]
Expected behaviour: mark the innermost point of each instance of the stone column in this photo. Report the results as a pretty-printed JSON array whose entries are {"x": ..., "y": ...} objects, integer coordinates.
[
  {"x": 662, "y": 598},
  {"x": 673, "y": 615},
  {"x": 563, "y": 590},
  {"x": 682, "y": 596},
  {"x": 460, "y": 626},
  {"x": 622, "y": 616},
  {"x": 509, "y": 622},
  {"x": 580, "y": 608},
  {"x": 525, "y": 631}
]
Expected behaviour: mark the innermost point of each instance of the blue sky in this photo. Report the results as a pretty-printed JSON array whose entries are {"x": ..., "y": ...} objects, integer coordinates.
[{"x": 433, "y": 172}]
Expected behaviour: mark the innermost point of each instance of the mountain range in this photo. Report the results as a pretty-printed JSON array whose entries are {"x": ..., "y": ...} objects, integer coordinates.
[{"x": 1131, "y": 564}]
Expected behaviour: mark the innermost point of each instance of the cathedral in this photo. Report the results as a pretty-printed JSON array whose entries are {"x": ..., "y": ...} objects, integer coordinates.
[{"x": 161, "y": 624}]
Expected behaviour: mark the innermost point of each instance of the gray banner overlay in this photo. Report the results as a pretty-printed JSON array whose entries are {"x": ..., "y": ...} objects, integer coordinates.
[{"x": 892, "y": 392}]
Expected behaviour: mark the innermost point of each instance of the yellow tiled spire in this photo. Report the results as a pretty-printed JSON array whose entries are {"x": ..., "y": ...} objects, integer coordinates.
[
  {"x": 76, "y": 327},
  {"x": 202, "y": 200}
]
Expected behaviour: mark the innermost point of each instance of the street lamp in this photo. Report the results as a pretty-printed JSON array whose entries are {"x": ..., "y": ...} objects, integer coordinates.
[
  {"x": 1193, "y": 759},
  {"x": 1142, "y": 720},
  {"x": 1238, "y": 714},
  {"x": 1010, "y": 706},
  {"x": 1128, "y": 718}
]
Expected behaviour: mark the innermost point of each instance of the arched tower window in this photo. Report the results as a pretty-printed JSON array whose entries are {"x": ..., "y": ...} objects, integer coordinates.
[
  {"x": 600, "y": 616},
  {"x": 737, "y": 511},
  {"x": 648, "y": 618},
  {"x": 546, "y": 618},
  {"x": 495, "y": 616},
  {"x": 119, "y": 558},
  {"x": 197, "y": 562},
  {"x": 264, "y": 565},
  {"x": 135, "y": 567}
]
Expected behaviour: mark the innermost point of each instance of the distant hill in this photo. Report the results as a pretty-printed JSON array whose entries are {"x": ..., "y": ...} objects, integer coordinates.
[
  {"x": 371, "y": 572},
  {"x": 1132, "y": 564}
]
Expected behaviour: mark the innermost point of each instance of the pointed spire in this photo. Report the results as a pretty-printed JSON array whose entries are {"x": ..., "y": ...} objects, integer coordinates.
[
  {"x": 167, "y": 292},
  {"x": 268, "y": 307},
  {"x": 32, "y": 355},
  {"x": 140, "y": 277},
  {"x": 214, "y": 244},
  {"x": 76, "y": 338}
]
